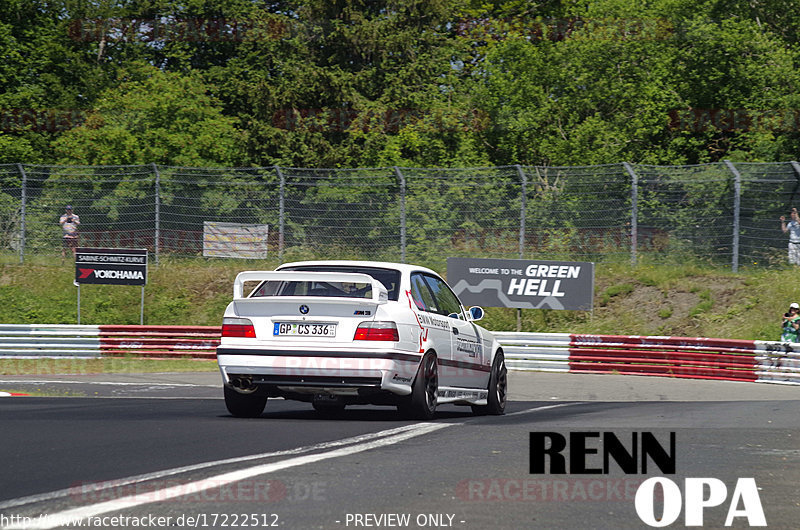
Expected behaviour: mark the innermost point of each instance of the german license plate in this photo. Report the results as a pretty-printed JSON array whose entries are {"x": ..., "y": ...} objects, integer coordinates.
[{"x": 305, "y": 329}]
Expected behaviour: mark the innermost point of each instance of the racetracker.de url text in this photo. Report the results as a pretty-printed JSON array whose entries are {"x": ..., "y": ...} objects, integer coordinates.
[{"x": 200, "y": 520}]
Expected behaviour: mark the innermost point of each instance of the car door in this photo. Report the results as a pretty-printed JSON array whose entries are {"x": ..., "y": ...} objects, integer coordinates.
[{"x": 465, "y": 347}]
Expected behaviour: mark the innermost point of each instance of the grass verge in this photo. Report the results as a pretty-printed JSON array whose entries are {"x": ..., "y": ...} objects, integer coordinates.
[{"x": 50, "y": 366}]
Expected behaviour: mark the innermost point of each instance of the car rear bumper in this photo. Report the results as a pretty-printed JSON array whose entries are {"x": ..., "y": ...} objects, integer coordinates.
[{"x": 342, "y": 372}]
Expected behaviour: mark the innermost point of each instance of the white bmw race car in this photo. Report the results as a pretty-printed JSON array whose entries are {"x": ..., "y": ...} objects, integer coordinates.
[{"x": 338, "y": 333}]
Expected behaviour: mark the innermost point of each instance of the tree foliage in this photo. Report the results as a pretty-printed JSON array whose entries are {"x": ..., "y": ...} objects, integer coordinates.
[
  {"x": 154, "y": 117},
  {"x": 345, "y": 83}
]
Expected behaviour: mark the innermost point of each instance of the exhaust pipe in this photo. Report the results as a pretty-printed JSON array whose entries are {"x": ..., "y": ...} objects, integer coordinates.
[{"x": 243, "y": 384}]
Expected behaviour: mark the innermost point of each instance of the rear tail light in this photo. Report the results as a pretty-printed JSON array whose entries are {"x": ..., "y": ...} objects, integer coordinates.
[
  {"x": 238, "y": 327},
  {"x": 377, "y": 331}
]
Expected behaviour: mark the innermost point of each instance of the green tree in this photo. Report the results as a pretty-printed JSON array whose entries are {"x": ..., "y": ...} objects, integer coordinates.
[
  {"x": 46, "y": 79},
  {"x": 350, "y": 84},
  {"x": 344, "y": 83},
  {"x": 605, "y": 81},
  {"x": 154, "y": 117}
]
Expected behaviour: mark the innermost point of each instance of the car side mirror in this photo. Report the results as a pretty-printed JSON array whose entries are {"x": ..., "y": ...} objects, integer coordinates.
[{"x": 475, "y": 313}]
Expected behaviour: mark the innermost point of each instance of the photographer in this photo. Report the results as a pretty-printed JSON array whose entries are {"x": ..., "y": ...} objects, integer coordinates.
[
  {"x": 791, "y": 324},
  {"x": 793, "y": 229},
  {"x": 69, "y": 224}
]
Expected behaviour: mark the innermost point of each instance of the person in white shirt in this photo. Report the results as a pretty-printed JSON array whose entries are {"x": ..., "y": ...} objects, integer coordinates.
[{"x": 69, "y": 224}]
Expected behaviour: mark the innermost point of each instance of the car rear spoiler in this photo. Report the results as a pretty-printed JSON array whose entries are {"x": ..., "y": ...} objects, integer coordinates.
[{"x": 380, "y": 294}]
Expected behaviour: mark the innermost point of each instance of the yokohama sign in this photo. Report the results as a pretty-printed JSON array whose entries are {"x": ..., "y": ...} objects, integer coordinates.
[{"x": 118, "y": 266}]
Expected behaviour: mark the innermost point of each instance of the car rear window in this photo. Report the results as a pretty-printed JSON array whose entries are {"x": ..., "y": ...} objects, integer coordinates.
[{"x": 388, "y": 277}]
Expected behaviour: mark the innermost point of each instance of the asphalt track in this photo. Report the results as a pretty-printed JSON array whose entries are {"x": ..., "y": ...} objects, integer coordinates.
[{"x": 128, "y": 449}]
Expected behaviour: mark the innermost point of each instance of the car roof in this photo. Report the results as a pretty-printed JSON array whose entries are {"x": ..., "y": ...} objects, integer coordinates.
[{"x": 404, "y": 268}]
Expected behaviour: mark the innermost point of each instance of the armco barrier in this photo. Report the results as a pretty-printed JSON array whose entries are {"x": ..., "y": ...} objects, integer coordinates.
[
  {"x": 198, "y": 342},
  {"x": 684, "y": 357},
  {"x": 53, "y": 340},
  {"x": 50, "y": 340}
]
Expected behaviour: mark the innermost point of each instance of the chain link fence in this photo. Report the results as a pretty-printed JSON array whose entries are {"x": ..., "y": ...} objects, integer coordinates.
[{"x": 721, "y": 213}]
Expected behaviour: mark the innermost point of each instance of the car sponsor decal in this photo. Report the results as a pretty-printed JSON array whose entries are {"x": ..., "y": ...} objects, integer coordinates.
[
  {"x": 463, "y": 394},
  {"x": 472, "y": 349},
  {"x": 434, "y": 322},
  {"x": 463, "y": 365},
  {"x": 423, "y": 332},
  {"x": 401, "y": 379}
]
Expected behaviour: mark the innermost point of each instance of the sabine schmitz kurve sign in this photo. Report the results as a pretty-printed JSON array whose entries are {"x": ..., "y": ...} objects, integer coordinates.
[
  {"x": 522, "y": 283},
  {"x": 116, "y": 266}
]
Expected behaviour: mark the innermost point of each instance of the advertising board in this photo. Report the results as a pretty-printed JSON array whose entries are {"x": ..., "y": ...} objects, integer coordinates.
[
  {"x": 116, "y": 266},
  {"x": 522, "y": 283},
  {"x": 234, "y": 240}
]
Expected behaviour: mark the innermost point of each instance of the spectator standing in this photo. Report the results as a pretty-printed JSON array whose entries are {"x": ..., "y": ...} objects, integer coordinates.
[
  {"x": 793, "y": 228},
  {"x": 69, "y": 224},
  {"x": 791, "y": 324}
]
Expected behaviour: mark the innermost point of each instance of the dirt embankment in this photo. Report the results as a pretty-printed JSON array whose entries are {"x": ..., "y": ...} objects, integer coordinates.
[{"x": 710, "y": 306}]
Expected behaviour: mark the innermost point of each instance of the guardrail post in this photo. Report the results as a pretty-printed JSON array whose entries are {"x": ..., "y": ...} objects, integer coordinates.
[
  {"x": 157, "y": 190},
  {"x": 634, "y": 212},
  {"x": 281, "y": 210},
  {"x": 401, "y": 180},
  {"x": 23, "y": 201},
  {"x": 737, "y": 197}
]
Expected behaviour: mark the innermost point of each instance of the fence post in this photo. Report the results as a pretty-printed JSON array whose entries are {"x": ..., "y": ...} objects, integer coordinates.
[
  {"x": 157, "y": 175},
  {"x": 634, "y": 212},
  {"x": 401, "y": 180},
  {"x": 796, "y": 168},
  {"x": 523, "y": 208},
  {"x": 281, "y": 210},
  {"x": 23, "y": 202},
  {"x": 522, "y": 218},
  {"x": 737, "y": 193}
]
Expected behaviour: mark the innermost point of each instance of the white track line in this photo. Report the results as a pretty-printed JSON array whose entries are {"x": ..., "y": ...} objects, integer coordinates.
[
  {"x": 546, "y": 407},
  {"x": 87, "y": 488},
  {"x": 64, "y": 517},
  {"x": 355, "y": 445}
]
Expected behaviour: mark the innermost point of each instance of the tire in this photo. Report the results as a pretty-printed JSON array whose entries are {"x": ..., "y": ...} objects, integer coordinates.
[
  {"x": 498, "y": 386},
  {"x": 421, "y": 404},
  {"x": 244, "y": 405}
]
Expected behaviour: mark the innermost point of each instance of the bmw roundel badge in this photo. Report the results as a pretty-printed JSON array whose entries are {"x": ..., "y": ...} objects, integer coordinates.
[{"x": 304, "y": 309}]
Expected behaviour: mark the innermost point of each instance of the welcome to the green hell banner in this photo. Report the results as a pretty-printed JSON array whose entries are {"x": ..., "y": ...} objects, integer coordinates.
[{"x": 520, "y": 283}]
